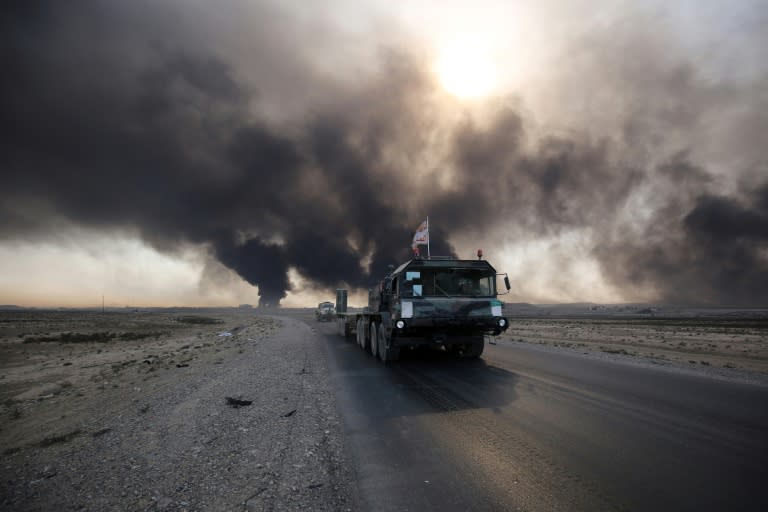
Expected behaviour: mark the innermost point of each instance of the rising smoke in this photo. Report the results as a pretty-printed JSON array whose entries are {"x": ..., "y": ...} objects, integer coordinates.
[{"x": 148, "y": 117}]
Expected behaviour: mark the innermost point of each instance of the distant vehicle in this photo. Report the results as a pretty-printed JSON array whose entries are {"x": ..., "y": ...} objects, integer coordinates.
[
  {"x": 325, "y": 312},
  {"x": 441, "y": 303}
]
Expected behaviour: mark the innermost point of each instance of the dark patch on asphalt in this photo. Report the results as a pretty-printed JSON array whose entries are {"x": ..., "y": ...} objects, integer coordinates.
[{"x": 236, "y": 403}]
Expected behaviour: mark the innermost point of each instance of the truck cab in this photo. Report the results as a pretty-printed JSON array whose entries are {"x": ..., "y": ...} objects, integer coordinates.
[
  {"x": 442, "y": 303},
  {"x": 441, "y": 297}
]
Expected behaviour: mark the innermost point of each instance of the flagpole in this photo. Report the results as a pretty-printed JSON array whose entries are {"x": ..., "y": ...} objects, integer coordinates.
[{"x": 428, "y": 255}]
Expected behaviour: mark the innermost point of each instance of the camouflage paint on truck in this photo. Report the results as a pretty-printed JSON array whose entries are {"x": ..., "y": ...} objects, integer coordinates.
[{"x": 441, "y": 303}]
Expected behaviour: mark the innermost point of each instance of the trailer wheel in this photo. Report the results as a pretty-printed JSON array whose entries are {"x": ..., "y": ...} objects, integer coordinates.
[
  {"x": 360, "y": 333},
  {"x": 388, "y": 352},
  {"x": 374, "y": 338}
]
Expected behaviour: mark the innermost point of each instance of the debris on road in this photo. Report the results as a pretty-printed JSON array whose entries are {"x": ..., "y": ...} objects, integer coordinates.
[
  {"x": 236, "y": 403},
  {"x": 289, "y": 413}
]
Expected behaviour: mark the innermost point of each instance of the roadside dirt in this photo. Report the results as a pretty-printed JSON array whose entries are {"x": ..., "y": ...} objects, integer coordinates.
[
  {"x": 727, "y": 347},
  {"x": 150, "y": 411}
]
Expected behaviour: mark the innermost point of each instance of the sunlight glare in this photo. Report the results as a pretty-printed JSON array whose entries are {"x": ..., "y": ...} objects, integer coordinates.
[{"x": 465, "y": 69}]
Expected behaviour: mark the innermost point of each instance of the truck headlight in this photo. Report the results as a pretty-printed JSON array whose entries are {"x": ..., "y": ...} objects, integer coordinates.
[
  {"x": 502, "y": 322},
  {"x": 399, "y": 324}
]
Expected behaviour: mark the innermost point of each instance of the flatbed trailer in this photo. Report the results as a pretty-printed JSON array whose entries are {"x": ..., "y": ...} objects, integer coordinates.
[{"x": 347, "y": 323}]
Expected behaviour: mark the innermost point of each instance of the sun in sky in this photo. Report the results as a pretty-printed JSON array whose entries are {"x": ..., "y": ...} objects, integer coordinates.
[{"x": 465, "y": 68}]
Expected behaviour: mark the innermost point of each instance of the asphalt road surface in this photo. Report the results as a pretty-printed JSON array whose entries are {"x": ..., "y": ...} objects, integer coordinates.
[{"x": 528, "y": 429}]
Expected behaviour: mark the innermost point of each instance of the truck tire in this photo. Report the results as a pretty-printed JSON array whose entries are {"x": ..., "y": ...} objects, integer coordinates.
[
  {"x": 360, "y": 333},
  {"x": 473, "y": 350},
  {"x": 388, "y": 352},
  {"x": 374, "y": 346}
]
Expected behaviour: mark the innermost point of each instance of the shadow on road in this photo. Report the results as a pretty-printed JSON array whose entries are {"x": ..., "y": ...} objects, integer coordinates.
[
  {"x": 451, "y": 384},
  {"x": 421, "y": 382}
]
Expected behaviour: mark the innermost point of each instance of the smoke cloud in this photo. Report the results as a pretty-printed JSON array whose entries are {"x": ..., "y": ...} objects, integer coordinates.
[{"x": 174, "y": 120}]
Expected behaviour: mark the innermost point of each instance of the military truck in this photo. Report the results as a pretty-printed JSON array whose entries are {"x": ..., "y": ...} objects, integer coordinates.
[
  {"x": 443, "y": 303},
  {"x": 325, "y": 312}
]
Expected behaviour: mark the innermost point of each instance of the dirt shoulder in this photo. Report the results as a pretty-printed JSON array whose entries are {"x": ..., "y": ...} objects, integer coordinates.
[
  {"x": 734, "y": 348},
  {"x": 133, "y": 422}
]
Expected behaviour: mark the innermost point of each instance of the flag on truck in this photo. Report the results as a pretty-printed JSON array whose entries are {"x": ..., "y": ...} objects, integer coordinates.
[{"x": 421, "y": 237}]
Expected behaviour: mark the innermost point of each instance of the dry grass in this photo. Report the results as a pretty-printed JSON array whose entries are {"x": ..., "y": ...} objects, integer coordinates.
[{"x": 740, "y": 343}]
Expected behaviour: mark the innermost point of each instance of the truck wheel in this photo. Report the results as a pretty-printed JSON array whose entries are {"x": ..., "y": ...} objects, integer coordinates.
[
  {"x": 473, "y": 350},
  {"x": 388, "y": 352},
  {"x": 360, "y": 333},
  {"x": 374, "y": 338}
]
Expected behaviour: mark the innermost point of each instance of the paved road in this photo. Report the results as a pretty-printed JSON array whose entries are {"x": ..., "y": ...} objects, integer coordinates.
[{"x": 526, "y": 429}]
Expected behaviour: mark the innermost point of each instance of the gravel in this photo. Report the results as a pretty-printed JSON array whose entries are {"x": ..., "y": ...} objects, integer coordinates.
[{"x": 196, "y": 444}]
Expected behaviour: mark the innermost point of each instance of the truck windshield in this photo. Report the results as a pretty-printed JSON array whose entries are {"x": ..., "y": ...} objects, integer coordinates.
[{"x": 449, "y": 283}]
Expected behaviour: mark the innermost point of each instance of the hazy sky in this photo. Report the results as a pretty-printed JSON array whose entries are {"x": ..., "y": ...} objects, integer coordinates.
[{"x": 195, "y": 153}]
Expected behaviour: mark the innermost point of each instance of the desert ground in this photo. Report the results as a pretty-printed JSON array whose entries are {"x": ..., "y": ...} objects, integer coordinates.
[
  {"x": 731, "y": 343},
  {"x": 163, "y": 410},
  {"x": 56, "y": 364}
]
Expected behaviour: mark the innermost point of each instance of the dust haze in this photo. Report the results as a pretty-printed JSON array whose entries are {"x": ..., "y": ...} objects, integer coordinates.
[{"x": 274, "y": 142}]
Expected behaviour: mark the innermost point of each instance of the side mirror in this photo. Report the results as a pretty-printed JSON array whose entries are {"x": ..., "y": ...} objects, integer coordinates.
[{"x": 506, "y": 282}]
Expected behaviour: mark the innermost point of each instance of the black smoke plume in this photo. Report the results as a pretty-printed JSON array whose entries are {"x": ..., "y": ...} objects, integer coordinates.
[{"x": 116, "y": 116}]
